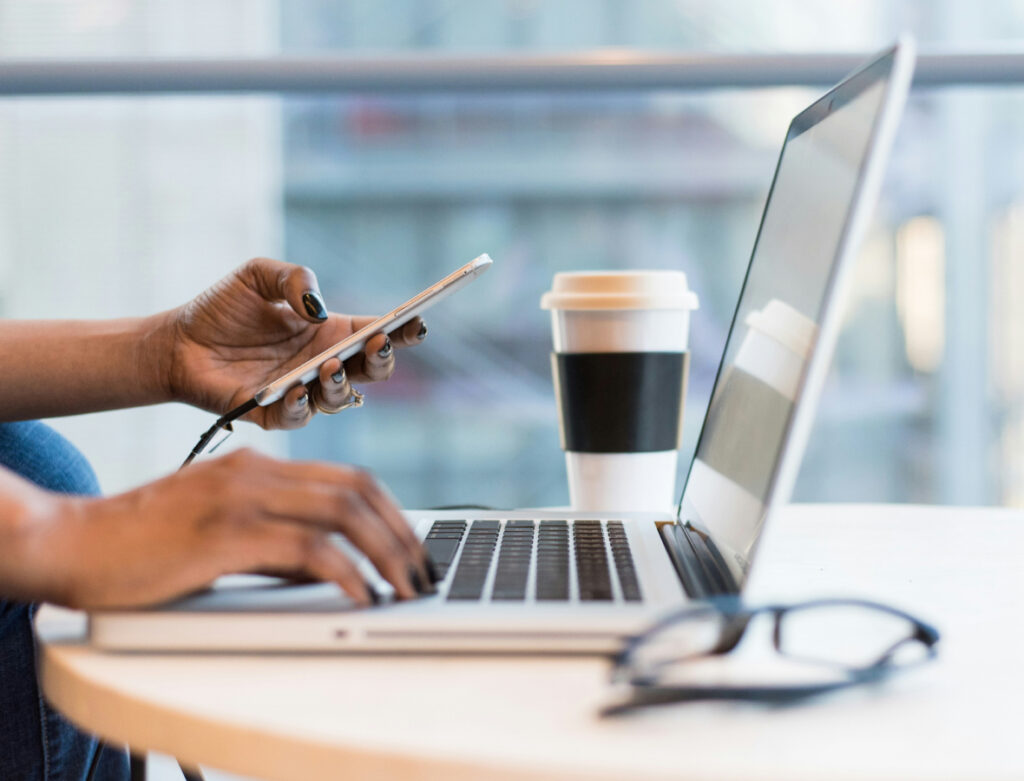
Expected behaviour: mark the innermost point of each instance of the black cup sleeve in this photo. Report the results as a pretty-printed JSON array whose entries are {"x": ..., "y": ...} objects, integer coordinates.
[{"x": 620, "y": 402}]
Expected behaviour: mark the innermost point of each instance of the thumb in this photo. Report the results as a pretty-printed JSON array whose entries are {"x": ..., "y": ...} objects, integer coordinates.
[{"x": 276, "y": 280}]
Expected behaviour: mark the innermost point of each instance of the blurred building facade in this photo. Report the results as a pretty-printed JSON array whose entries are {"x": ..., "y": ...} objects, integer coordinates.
[{"x": 121, "y": 206}]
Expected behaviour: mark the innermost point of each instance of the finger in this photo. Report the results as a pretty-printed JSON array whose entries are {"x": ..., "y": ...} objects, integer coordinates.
[
  {"x": 296, "y": 577},
  {"x": 345, "y": 512},
  {"x": 379, "y": 500},
  {"x": 336, "y": 498},
  {"x": 375, "y": 363},
  {"x": 328, "y": 563},
  {"x": 273, "y": 545},
  {"x": 276, "y": 280},
  {"x": 293, "y": 411},
  {"x": 333, "y": 389},
  {"x": 384, "y": 504},
  {"x": 408, "y": 335},
  {"x": 379, "y": 358},
  {"x": 329, "y": 497}
]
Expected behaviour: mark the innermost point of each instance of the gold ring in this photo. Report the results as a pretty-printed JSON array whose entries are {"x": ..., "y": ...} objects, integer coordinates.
[{"x": 355, "y": 399}]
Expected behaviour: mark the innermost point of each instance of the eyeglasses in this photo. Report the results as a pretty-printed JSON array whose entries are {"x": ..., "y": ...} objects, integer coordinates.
[{"x": 824, "y": 645}]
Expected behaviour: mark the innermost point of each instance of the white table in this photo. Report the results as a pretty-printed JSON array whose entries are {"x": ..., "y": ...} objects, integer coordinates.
[{"x": 319, "y": 717}]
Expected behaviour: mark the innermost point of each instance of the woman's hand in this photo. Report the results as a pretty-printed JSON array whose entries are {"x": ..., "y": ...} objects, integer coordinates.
[
  {"x": 262, "y": 320},
  {"x": 243, "y": 512}
]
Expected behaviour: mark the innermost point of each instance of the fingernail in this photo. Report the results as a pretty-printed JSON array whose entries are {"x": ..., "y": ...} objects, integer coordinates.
[
  {"x": 303, "y": 400},
  {"x": 374, "y": 595},
  {"x": 338, "y": 376},
  {"x": 431, "y": 568},
  {"x": 417, "y": 583},
  {"x": 414, "y": 578},
  {"x": 422, "y": 333},
  {"x": 385, "y": 351},
  {"x": 314, "y": 305}
]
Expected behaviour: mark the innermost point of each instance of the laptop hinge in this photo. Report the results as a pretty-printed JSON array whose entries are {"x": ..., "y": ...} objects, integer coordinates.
[
  {"x": 700, "y": 568},
  {"x": 711, "y": 558}
]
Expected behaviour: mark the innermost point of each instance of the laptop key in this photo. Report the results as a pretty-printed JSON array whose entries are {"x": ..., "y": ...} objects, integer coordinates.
[
  {"x": 475, "y": 561},
  {"x": 442, "y": 551},
  {"x": 591, "y": 562},
  {"x": 622, "y": 557},
  {"x": 553, "y": 561},
  {"x": 513, "y": 561}
]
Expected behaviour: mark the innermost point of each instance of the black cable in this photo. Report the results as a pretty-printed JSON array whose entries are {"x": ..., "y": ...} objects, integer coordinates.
[
  {"x": 191, "y": 774},
  {"x": 94, "y": 761},
  {"x": 223, "y": 422},
  {"x": 137, "y": 766}
]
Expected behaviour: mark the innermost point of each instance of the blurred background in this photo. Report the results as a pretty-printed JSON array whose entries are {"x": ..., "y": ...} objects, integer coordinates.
[{"x": 113, "y": 206}]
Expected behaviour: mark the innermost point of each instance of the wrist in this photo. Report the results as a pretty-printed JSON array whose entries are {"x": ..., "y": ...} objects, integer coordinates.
[
  {"x": 31, "y": 568},
  {"x": 155, "y": 355}
]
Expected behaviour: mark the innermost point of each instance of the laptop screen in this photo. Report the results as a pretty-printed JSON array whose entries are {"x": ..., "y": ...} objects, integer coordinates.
[{"x": 779, "y": 313}]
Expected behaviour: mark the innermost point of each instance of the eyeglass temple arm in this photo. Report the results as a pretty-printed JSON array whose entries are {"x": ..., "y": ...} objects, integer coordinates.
[
  {"x": 926, "y": 639},
  {"x": 642, "y": 697}
]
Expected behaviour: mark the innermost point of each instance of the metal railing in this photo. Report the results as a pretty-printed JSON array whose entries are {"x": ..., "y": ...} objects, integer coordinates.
[{"x": 424, "y": 72}]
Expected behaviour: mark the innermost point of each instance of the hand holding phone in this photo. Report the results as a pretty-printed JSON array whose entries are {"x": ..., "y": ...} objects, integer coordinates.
[
  {"x": 393, "y": 320},
  {"x": 348, "y": 347}
]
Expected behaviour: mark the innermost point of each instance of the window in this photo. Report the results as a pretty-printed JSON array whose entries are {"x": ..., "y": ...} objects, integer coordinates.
[{"x": 124, "y": 205}]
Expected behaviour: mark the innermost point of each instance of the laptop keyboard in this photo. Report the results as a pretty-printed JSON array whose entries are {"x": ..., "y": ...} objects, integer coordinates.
[{"x": 549, "y": 561}]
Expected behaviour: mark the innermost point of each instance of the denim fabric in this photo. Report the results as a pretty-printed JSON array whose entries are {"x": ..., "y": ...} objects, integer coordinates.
[{"x": 36, "y": 742}]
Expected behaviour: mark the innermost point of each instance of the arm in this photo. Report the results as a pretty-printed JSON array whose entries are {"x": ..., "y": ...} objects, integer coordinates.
[
  {"x": 94, "y": 364},
  {"x": 239, "y": 513},
  {"x": 214, "y": 352},
  {"x": 25, "y": 514},
  {"x": 242, "y": 512}
]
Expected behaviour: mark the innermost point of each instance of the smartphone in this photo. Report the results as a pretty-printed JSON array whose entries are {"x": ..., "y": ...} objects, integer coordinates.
[{"x": 393, "y": 320}]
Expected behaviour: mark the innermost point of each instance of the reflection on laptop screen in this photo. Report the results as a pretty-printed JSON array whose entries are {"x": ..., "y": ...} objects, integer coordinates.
[{"x": 777, "y": 319}]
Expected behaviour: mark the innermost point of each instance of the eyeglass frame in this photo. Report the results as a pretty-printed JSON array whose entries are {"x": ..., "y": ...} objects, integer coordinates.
[{"x": 648, "y": 690}]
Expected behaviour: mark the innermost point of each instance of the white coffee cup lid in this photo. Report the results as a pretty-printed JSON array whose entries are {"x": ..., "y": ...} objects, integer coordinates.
[
  {"x": 619, "y": 290},
  {"x": 780, "y": 321}
]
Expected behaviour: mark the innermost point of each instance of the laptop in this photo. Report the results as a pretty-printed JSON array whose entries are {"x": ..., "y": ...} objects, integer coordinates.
[{"x": 532, "y": 582}]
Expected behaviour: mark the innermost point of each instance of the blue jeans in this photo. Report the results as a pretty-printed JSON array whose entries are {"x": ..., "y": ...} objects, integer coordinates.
[{"x": 36, "y": 742}]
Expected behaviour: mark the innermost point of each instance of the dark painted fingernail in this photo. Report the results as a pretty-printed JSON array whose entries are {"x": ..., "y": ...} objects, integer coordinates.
[
  {"x": 431, "y": 568},
  {"x": 385, "y": 351},
  {"x": 414, "y": 578},
  {"x": 314, "y": 305},
  {"x": 303, "y": 400},
  {"x": 338, "y": 376},
  {"x": 422, "y": 333},
  {"x": 417, "y": 583},
  {"x": 373, "y": 594}
]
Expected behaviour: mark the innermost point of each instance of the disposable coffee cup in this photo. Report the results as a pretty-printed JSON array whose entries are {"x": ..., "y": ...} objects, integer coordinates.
[{"x": 620, "y": 365}]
